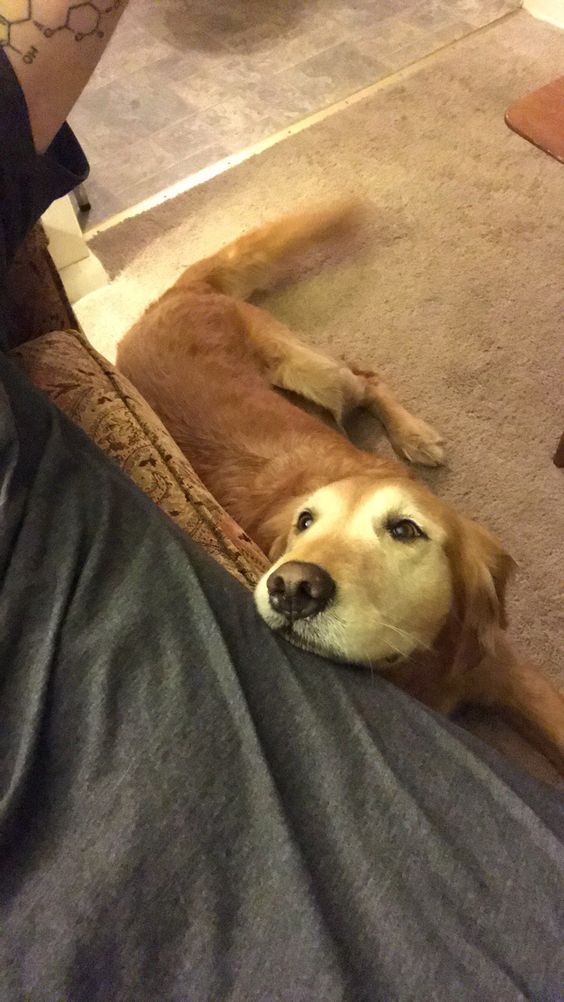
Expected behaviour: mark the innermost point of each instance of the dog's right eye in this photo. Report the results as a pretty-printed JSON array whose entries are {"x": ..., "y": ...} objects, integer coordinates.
[
  {"x": 404, "y": 530},
  {"x": 305, "y": 519}
]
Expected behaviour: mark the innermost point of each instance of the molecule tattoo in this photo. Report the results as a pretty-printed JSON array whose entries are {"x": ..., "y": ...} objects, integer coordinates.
[{"x": 83, "y": 20}]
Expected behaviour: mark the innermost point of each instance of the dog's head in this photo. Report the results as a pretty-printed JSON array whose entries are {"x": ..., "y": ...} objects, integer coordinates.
[{"x": 365, "y": 572}]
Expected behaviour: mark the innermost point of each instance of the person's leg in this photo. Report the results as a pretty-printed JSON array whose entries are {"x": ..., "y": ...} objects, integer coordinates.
[{"x": 192, "y": 810}]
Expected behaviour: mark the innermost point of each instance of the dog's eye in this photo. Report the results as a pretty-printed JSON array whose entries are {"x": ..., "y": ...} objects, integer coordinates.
[
  {"x": 305, "y": 519},
  {"x": 404, "y": 530}
]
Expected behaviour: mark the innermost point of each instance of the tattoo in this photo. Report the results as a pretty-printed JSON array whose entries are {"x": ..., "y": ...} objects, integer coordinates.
[{"x": 83, "y": 20}]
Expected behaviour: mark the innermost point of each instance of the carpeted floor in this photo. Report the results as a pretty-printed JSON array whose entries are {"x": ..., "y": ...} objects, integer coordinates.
[{"x": 454, "y": 288}]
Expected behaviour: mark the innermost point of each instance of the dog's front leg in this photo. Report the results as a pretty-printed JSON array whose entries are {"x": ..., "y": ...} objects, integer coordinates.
[{"x": 520, "y": 690}]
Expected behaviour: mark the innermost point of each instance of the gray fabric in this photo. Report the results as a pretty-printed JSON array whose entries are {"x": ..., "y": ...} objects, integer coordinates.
[{"x": 191, "y": 810}]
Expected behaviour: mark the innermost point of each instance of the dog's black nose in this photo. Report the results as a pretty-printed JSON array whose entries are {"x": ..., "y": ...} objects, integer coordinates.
[{"x": 297, "y": 590}]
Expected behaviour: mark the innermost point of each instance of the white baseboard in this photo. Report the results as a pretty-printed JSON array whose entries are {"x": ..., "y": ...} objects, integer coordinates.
[
  {"x": 80, "y": 271},
  {"x": 547, "y": 10},
  {"x": 83, "y": 277}
]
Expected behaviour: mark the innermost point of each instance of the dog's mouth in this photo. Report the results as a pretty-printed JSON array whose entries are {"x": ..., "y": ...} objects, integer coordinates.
[
  {"x": 327, "y": 634},
  {"x": 307, "y": 643},
  {"x": 305, "y": 634},
  {"x": 312, "y": 646},
  {"x": 294, "y": 629}
]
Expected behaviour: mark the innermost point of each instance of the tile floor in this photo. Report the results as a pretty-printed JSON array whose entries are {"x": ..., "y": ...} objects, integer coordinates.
[{"x": 185, "y": 83}]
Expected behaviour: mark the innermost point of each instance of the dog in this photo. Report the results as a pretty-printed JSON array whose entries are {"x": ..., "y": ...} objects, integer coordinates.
[{"x": 368, "y": 566}]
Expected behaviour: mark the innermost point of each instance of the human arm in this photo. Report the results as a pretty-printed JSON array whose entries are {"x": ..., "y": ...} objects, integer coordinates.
[
  {"x": 53, "y": 47},
  {"x": 42, "y": 72}
]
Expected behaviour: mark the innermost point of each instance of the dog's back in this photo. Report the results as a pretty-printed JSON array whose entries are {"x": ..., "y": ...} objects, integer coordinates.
[{"x": 192, "y": 356}]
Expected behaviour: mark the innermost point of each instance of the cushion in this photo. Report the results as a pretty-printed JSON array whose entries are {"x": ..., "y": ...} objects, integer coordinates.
[{"x": 107, "y": 407}]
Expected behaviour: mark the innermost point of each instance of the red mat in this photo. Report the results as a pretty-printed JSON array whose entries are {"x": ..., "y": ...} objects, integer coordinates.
[{"x": 539, "y": 117}]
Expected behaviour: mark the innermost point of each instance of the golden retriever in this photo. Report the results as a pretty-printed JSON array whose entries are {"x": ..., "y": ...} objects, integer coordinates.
[{"x": 368, "y": 565}]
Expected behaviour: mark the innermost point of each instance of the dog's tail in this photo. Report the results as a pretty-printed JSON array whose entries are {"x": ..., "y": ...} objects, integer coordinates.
[{"x": 252, "y": 262}]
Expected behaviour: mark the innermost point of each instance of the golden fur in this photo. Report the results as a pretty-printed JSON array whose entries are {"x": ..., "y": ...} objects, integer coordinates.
[{"x": 429, "y": 613}]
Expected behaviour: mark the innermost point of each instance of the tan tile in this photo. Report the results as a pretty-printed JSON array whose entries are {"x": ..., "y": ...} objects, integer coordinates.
[
  {"x": 182, "y": 81},
  {"x": 173, "y": 174},
  {"x": 337, "y": 72}
]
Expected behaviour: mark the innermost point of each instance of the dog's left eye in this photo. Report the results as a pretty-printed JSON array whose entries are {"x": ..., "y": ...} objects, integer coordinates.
[
  {"x": 305, "y": 519},
  {"x": 404, "y": 530}
]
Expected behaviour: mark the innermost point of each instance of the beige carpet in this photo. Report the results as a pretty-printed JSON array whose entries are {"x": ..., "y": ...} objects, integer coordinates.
[{"x": 455, "y": 289}]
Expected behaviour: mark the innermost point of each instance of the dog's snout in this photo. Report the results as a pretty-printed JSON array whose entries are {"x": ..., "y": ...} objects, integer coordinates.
[{"x": 298, "y": 590}]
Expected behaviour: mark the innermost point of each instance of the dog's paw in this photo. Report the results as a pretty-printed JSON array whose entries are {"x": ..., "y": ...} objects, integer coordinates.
[{"x": 418, "y": 442}]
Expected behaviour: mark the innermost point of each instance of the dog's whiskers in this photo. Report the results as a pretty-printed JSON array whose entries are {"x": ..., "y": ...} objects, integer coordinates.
[
  {"x": 409, "y": 636},
  {"x": 395, "y": 650}
]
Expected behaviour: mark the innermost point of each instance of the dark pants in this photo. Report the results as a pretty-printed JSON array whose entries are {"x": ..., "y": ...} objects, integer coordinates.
[{"x": 190, "y": 809}]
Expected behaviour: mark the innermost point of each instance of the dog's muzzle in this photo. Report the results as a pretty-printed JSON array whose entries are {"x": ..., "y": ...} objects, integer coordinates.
[{"x": 298, "y": 590}]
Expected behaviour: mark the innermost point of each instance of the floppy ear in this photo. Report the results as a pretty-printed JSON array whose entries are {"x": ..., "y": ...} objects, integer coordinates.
[{"x": 482, "y": 569}]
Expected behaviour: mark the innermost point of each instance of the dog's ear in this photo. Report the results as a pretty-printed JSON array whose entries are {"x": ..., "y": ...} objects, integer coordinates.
[
  {"x": 276, "y": 530},
  {"x": 481, "y": 570}
]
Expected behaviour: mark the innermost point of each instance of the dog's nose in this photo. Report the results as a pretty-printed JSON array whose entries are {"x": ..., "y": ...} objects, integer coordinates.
[{"x": 297, "y": 590}]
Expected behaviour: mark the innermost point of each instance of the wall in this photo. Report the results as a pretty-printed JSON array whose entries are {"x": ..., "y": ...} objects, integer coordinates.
[{"x": 547, "y": 10}]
